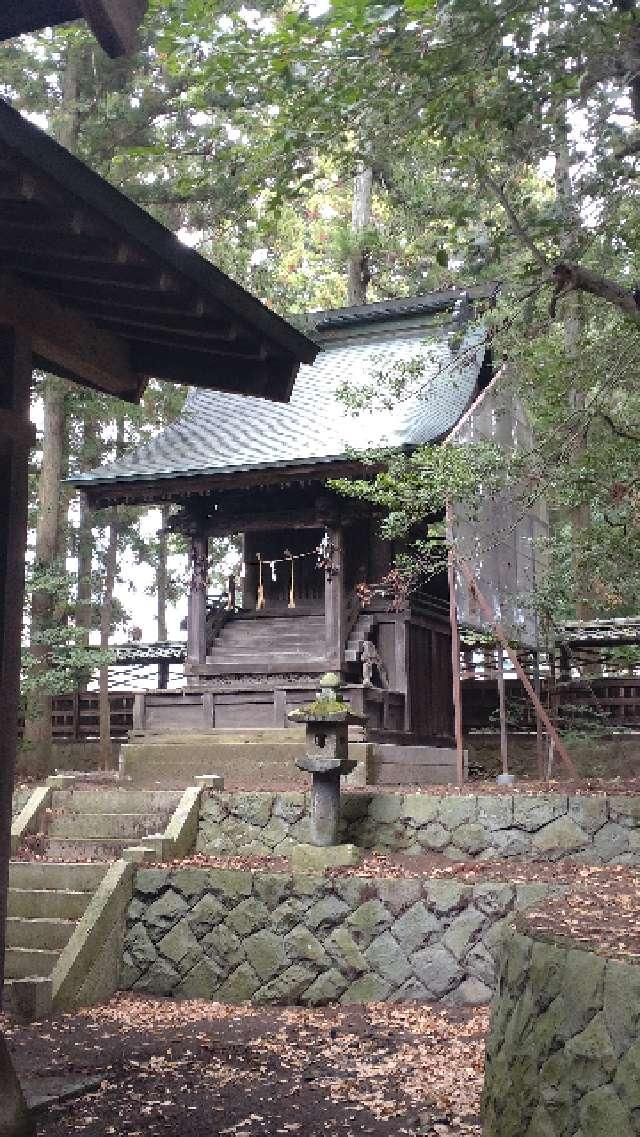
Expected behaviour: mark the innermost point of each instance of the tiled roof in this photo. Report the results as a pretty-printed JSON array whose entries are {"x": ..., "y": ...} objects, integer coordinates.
[{"x": 220, "y": 433}]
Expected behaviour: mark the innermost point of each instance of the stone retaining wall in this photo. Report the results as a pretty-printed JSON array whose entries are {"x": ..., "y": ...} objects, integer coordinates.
[
  {"x": 563, "y": 1056},
  {"x": 21, "y": 795},
  {"x": 596, "y": 829},
  {"x": 268, "y": 937}
]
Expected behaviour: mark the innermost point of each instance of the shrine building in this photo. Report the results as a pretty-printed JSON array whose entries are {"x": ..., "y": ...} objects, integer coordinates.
[{"x": 313, "y": 593}]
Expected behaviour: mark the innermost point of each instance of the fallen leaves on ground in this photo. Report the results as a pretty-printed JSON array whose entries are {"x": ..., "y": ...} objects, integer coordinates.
[{"x": 177, "y": 1069}]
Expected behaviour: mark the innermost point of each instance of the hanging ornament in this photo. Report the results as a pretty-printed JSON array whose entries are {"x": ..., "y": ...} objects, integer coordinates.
[
  {"x": 272, "y": 566},
  {"x": 260, "y": 601},
  {"x": 292, "y": 593}
]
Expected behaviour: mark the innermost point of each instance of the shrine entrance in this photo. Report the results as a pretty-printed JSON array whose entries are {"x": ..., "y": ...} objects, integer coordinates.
[{"x": 283, "y": 572}]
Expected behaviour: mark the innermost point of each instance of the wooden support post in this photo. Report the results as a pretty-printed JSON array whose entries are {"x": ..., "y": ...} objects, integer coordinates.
[
  {"x": 334, "y": 614},
  {"x": 163, "y": 674},
  {"x": 455, "y": 663},
  {"x": 499, "y": 632},
  {"x": 537, "y": 686},
  {"x": 401, "y": 665},
  {"x": 16, "y": 436},
  {"x": 502, "y": 702},
  {"x": 197, "y": 612}
]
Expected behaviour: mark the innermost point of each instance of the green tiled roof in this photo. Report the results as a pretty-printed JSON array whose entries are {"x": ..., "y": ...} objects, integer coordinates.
[{"x": 221, "y": 433}]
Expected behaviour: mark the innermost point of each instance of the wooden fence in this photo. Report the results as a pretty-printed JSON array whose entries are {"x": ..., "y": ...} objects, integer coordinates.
[
  {"x": 613, "y": 701},
  {"x": 76, "y": 717}
]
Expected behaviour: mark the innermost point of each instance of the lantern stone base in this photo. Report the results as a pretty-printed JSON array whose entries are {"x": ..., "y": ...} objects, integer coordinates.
[{"x": 315, "y": 858}]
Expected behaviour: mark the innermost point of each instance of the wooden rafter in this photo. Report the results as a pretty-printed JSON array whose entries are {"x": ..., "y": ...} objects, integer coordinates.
[{"x": 66, "y": 341}]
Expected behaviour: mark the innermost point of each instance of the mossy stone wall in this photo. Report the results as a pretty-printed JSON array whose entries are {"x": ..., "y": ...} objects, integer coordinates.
[
  {"x": 563, "y": 1055},
  {"x": 309, "y": 939},
  {"x": 595, "y": 829}
]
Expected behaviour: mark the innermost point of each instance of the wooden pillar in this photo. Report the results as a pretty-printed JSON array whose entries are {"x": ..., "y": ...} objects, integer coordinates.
[
  {"x": 163, "y": 674},
  {"x": 334, "y": 614},
  {"x": 455, "y": 652},
  {"x": 402, "y": 629},
  {"x": 502, "y": 703},
  {"x": 250, "y": 580},
  {"x": 16, "y": 437},
  {"x": 197, "y": 612},
  {"x": 537, "y": 686}
]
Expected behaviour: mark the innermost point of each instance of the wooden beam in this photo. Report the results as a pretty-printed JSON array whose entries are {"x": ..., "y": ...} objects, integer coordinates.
[
  {"x": 40, "y": 267},
  {"x": 70, "y": 246},
  {"x": 271, "y": 378},
  {"x": 122, "y": 319},
  {"x": 15, "y": 380},
  {"x": 114, "y": 23},
  {"x": 67, "y": 342}
]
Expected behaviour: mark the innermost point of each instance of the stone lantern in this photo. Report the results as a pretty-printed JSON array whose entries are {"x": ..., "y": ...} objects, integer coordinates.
[{"x": 326, "y": 722}]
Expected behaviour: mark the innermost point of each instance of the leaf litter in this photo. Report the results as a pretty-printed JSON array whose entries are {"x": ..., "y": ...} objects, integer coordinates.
[{"x": 177, "y": 1069}]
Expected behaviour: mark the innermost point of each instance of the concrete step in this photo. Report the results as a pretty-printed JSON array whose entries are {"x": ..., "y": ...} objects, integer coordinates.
[
  {"x": 47, "y": 875},
  {"x": 267, "y": 635},
  {"x": 175, "y": 764},
  {"x": 47, "y": 903},
  {"x": 38, "y": 933},
  {"x": 106, "y": 826},
  {"x": 257, "y": 622},
  {"x": 22, "y": 963},
  {"x": 67, "y": 849},
  {"x": 223, "y": 736},
  {"x": 246, "y": 659},
  {"x": 115, "y": 801}
]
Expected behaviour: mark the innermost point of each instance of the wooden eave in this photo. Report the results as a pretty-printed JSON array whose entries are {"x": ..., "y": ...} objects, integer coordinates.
[
  {"x": 114, "y": 23},
  {"x": 111, "y": 297},
  {"x": 181, "y": 489}
]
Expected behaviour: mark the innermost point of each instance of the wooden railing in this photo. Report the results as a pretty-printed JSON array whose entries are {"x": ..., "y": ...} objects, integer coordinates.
[
  {"x": 614, "y": 702},
  {"x": 76, "y": 717}
]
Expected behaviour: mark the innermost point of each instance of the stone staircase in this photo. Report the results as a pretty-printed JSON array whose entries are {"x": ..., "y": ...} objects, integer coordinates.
[
  {"x": 361, "y": 631},
  {"x": 273, "y": 642},
  {"x": 97, "y": 824},
  {"x": 45, "y": 902}
]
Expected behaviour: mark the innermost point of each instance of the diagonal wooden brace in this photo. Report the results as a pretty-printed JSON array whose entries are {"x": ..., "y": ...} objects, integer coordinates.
[{"x": 484, "y": 605}]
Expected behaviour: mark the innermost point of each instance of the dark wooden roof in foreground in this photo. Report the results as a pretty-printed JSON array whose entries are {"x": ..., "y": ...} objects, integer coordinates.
[
  {"x": 114, "y": 23},
  {"x": 111, "y": 297}
]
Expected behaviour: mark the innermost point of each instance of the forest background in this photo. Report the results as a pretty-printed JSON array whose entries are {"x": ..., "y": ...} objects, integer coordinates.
[{"x": 324, "y": 155}]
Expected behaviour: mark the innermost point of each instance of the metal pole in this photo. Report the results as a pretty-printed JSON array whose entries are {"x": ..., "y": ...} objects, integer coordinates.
[
  {"x": 504, "y": 757},
  {"x": 559, "y": 746}
]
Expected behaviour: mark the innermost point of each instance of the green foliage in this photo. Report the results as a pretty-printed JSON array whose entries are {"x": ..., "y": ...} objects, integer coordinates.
[{"x": 56, "y": 658}]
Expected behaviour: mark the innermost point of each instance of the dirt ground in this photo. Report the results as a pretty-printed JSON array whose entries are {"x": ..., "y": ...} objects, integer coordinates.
[{"x": 160, "y": 1068}]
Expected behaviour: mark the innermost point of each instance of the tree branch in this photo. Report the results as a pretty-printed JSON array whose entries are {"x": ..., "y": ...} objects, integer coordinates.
[
  {"x": 574, "y": 278},
  {"x": 618, "y": 430},
  {"x": 518, "y": 228}
]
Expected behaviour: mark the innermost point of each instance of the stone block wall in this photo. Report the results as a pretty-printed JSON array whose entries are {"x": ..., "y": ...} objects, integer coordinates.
[
  {"x": 596, "y": 829},
  {"x": 563, "y": 1056},
  {"x": 234, "y": 936},
  {"x": 21, "y": 795}
]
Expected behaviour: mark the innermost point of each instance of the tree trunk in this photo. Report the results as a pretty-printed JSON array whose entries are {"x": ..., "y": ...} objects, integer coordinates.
[
  {"x": 161, "y": 593},
  {"x": 89, "y": 457},
  {"x": 106, "y": 611},
  {"x": 38, "y": 714},
  {"x": 358, "y": 269},
  {"x": 573, "y": 320},
  {"x": 106, "y": 614}
]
